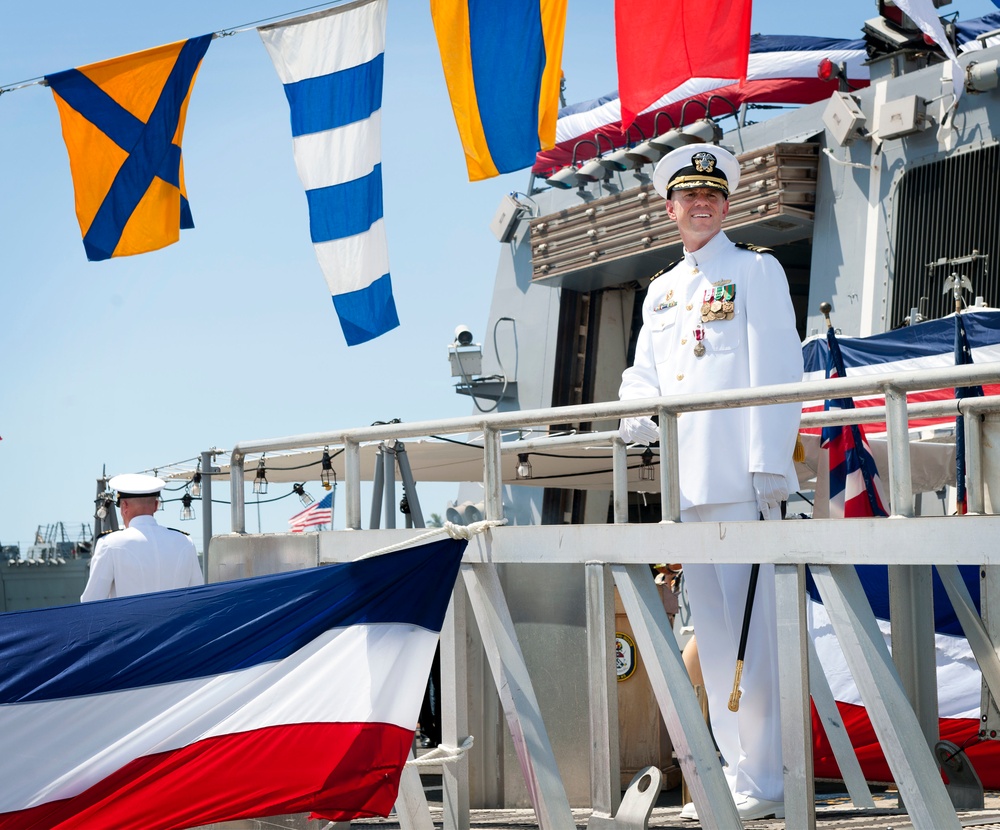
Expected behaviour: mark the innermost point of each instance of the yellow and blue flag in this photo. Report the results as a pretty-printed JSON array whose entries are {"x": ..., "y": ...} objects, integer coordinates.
[
  {"x": 503, "y": 66},
  {"x": 122, "y": 121}
]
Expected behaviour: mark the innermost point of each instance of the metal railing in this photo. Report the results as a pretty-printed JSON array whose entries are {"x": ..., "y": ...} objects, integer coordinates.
[
  {"x": 892, "y": 386},
  {"x": 899, "y": 691}
]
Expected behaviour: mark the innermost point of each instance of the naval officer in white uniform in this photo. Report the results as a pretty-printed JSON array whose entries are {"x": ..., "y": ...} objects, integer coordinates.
[
  {"x": 144, "y": 557},
  {"x": 721, "y": 318}
]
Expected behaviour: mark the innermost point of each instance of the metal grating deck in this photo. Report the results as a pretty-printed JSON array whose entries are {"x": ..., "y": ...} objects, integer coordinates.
[{"x": 833, "y": 812}]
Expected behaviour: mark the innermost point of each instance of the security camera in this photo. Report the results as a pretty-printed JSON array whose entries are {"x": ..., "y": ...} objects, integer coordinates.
[{"x": 466, "y": 357}]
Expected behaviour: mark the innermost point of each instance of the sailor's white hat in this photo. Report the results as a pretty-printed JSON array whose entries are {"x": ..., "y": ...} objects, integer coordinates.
[
  {"x": 697, "y": 165},
  {"x": 135, "y": 484}
]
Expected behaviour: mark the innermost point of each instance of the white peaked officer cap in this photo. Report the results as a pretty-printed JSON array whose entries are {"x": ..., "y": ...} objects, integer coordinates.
[
  {"x": 132, "y": 485},
  {"x": 697, "y": 165}
]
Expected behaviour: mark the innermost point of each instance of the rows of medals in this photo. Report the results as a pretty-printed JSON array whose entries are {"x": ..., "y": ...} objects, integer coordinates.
[{"x": 717, "y": 303}]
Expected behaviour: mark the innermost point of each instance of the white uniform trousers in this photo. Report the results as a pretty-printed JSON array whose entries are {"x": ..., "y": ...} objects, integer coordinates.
[{"x": 749, "y": 739}]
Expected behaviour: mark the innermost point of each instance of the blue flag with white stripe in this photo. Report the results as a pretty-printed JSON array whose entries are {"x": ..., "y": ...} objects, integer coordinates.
[{"x": 330, "y": 64}]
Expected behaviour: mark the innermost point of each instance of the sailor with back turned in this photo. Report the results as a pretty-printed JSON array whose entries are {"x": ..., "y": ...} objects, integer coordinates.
[{"x": 144, "y": 557}]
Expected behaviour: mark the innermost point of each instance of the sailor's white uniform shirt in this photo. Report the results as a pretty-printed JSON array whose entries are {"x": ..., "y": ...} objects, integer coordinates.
[
  {"x": 759, "y": 346},
  {"x": 142, "y": 558}
]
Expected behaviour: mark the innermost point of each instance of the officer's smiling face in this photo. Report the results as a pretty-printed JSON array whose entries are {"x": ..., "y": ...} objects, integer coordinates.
[{"x": 698, "y": 213}]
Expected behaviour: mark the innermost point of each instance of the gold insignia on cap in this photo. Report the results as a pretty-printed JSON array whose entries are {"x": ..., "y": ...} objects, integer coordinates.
[{"x": 704, "y": 162}]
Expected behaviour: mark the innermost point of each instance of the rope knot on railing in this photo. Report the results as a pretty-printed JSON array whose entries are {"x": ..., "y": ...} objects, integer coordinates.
[
  {"x": 468, "y": 531},
  {"x": 442, "y": 754},
  {"x": 453, "y": 530}
]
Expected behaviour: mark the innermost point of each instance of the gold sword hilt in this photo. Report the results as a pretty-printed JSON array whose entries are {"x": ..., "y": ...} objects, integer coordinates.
[{"x": 734, "y": 697}]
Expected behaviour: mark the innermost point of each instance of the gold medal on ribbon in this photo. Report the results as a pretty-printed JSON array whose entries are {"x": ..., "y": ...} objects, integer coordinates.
[{"x": 699, "y": 347}]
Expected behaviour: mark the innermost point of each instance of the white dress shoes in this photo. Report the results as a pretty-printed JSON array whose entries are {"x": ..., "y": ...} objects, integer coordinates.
[
  {"x": 748, "y": 807},
  {"x": 688, "y": 812}
]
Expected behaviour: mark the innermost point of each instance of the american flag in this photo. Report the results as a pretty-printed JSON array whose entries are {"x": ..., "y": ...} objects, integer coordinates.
[
  {"x": 963, "y": 357},
  {"x": 855, "y": 489},
  {"x": 319, "y": 513}
]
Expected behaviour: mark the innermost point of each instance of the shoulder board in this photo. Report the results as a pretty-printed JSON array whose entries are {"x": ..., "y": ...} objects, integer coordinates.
[
  {"x": 104, "y": 533},
  {"x": 757, "y": 249},
  {"x": 664, "y": 270},
  {"x": 175, "y": 530}
]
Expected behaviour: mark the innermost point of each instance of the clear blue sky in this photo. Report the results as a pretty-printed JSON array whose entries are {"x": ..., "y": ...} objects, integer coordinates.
[{"x": 230, "y": 334}]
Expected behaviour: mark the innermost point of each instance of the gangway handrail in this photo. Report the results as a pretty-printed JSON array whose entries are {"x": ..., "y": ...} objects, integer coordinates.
[
  {"x": 494, "y": 423},
  {"x": 880, "y": 684}
]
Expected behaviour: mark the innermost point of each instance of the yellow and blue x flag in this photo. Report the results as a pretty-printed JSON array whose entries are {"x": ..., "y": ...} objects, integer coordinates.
[{"x": 122, "y": 121}]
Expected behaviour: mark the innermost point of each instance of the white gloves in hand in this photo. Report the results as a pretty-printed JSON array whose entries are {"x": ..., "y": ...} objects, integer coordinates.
[
  {"x": 771, "y": 490},
  {"x": 639, "y": 431}
]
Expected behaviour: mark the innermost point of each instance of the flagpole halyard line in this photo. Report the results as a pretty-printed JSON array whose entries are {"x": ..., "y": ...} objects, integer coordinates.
[
  {"x": 228, "y": 32},
  {"x": 23, "y": 84},
  {"x": 246, "y": 27}
]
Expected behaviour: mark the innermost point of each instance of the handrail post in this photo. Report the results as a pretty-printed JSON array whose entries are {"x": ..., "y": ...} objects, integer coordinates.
[
  {"x": 670, "y": 477},
  {"x": 605, "y": 759},
  {"x": 352, "y": 472},
  {"x": 454, "y": 702},
  {"x": 973, "y": 421},
  {"x": 492, "y": 474},
  {"x": 206, "y": 508},
  {"x": 897, "y": 430},
  {"x": 237, "y": 509},
  {"x": 619, "y": 486},
  {"x": 911, "y": 595},
  {"x": 389, "y": 484},
  {"x": 793, "y": 687}
]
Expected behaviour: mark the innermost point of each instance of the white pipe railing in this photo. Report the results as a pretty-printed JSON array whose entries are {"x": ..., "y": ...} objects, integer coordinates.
[
  {"x": 893, "y": 386},
  {"x": 929, "y": 808}
]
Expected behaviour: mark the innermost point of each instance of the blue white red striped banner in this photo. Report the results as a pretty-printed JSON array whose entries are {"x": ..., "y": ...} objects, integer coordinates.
[
  {"x": 256, "y": 697},
  {"x": 928, "y": 345},
  {"x": 922, "y": 346},
  {"x": 958, "y": 676},
  {"x": 781, "y": 70}
]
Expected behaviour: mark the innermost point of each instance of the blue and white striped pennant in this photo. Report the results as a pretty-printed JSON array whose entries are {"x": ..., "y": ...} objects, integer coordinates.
[{"x": 330, "y": 63}]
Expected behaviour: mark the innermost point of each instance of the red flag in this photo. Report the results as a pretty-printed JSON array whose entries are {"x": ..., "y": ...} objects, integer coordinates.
[{"x": 662, "y": 45}]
